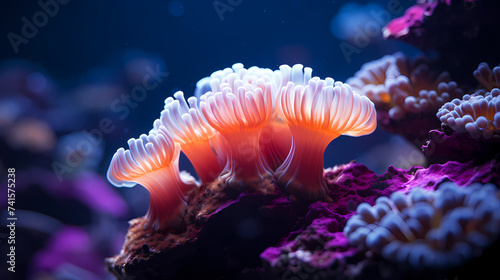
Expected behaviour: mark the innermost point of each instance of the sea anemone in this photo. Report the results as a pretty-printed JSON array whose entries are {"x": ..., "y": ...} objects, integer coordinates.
[
  {"x": 317, "y": 111},
  {"x": 153, "y": 162},
  {"x": 399, "y": 85},
  {"x": 429, "y": 229},
  {"x": 476, "y": 114},
  {"x": 238, "y": 107},
  {"x": 487, "y": 77},
  {"x": 197, "y": 138},
  {"x": 275, "y": 139}
]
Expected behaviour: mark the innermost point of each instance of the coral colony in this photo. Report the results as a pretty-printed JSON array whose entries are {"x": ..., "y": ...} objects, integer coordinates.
[{"x": 264, "y": 207}]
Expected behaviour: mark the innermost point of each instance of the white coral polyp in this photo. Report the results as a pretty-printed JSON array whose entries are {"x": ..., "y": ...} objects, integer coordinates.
[
  {"x": 401, "y": 85},
  {"x": 477, "y": 114},
  {"x": 429, "y": 229},
  {"x": 487, "y": 77}
]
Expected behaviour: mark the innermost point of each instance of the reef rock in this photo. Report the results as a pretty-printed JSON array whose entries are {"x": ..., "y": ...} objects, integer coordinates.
[{"x": 231, "y": 235}]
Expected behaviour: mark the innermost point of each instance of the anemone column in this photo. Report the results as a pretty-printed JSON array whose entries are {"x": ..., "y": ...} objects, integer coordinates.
[{"x": 305, "y": 176}]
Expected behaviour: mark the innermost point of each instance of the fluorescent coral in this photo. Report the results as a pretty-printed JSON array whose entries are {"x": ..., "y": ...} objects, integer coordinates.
[
  {"x": 153, "y": 162},
  {"x": 478, "y": 115},
  {"x": 436, "y": 229},
  {"x": 317, "y": 111}
]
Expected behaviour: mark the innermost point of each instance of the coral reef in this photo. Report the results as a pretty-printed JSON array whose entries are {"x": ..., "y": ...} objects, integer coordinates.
[{"x": 227, "y": 231}]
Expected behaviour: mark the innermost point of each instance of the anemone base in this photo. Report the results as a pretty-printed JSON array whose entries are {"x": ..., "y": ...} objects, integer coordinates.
[{"x": 231, "y": 235}]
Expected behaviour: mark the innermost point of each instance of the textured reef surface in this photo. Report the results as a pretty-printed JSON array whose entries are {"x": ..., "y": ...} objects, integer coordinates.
[{"x": 253, "y": 236}]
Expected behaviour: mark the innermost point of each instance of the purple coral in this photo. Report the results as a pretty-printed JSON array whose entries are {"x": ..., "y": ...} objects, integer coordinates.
[{"x": 437, "y": 229}]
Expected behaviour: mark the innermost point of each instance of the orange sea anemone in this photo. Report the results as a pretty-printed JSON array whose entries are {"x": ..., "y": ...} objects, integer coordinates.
[
  {"x": 153, "y": 162},
  {"x": 238, "y": 107},
  {"x": 317, "y": 112}
]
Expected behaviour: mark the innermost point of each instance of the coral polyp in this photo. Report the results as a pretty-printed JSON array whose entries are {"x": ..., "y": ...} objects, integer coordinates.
[
  {"x": 487, "y": 77},
  {"x": 476, "y": 114},
  {"x": 153, "y": 162},
  {"x": 317, "y": 113},
  {"x": 429, "y": 229},
  {"x": 400, "y": 85}
]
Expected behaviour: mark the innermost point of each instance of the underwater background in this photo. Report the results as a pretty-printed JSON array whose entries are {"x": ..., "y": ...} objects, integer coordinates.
[{"x": 79, "y": 78}]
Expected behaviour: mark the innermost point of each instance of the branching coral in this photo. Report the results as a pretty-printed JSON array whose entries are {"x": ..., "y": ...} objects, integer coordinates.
[
  {"x": 153, "y": 162},
  {"x": 400, "y": 85},
  {"x": 487, "y": 77},
  {"x": 197, "y": 138},
  {"x": 239, "y": 106},
  {"x": 429, "y": 229},
  {"x": 477, "y": 114},
  {"x": 316, "y": 113}
]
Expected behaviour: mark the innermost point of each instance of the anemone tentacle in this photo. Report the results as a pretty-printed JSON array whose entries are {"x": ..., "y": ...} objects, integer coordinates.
[{"x": 191, "y": 130}]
